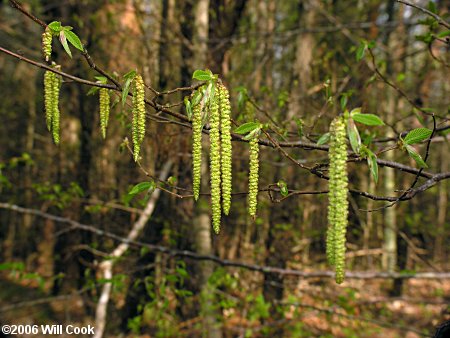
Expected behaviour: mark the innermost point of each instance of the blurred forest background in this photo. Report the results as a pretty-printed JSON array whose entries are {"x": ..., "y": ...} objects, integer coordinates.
[{"x": 292, "y": 64}]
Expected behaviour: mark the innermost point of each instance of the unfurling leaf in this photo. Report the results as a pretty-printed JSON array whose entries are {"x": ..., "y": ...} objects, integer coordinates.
[
  {"x": 323, "y": 139},
  {"x": 416, "y": 156}
]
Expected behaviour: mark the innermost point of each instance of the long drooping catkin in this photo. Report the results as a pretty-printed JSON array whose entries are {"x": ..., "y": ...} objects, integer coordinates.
[
  {"x": 226, "y": 147},
  {"x": 47, "y": 43},
  {"x": 214, "y": 135},
  {"x": 337, "y": 197},
  {"x": 104, "y": 110},
  {"x": 196, "y": 149},
  {"x": 138, "y": 123},
  {"x": 253, "y": 177}
]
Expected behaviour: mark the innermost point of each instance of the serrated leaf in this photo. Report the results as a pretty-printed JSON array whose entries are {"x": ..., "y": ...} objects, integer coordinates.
[
  {"x": 368, "y": 119},
  {"x": 323, "y": 139},
  {"x": 283, "y": 188},
  {"x": 417, "y": 135},
  {"x": 55, "y": 26},
  {"x": 202, "y": 75},
  {"x": 143, "y": 186},
  {"x": 416, "y": 156},
  {"x": 188, "y": 106},
  {"x": 361, "y": 50},
  {"x": 373, "y": 165},
  {"x": 63, "y": 40},
  {"x": 93, "y": 90},
  {"x": 353, "y": 136},
  {"x": 253, "y": 134},
  {"x": 247, "y": 127},
  {"x": 129, "y": 77},
  {"x": 444, "y": 34},
  {"x": 101, "y": 79},
  {"x": 73, "y": 39}
]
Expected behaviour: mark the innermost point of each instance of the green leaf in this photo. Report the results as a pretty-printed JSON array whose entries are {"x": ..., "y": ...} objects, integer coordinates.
[
  {"x": 253, "y": 134},
  {"x": 373, "y": 165},
  {"x": 368, "y": 119},
  {"x": 101, "y": 79},
  {"x": 143, "y": 186},
  {"x": 323, "y": 139},
  {"x": 247, "y": 127},
  {"x": 361, "y": 50},
  {"x": 283, "y": 188},
  {"x": 300, "y": 123},
  {"x": 353, "y": 136},
  {"x": 126, "y": 87},
  {"x": 344, "y": 100},
  {"x": 188, "y": 106},
  {"x": 202, "y": 75},
  {"x": 196, "y": 98},
  {"x": 444, "y": 34},
  {"x": 416, "y": 156},
  {"x": 432, "y": 7},
  {"x": 63, "y": 40},
  {"x": 417, "y": 135},
  {"x": 55, "y": 26},
  {"x": 93, "y": 90},
  {"x": 73, "y": 39}
]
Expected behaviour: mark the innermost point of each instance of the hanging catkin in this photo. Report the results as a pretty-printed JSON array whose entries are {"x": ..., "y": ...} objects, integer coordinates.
[
  {"x": 138, "y": 123},
  {"x": 253, "y": 177},
  {"x": 104, "y": 110},
  {"x": 214, "y": 135},
  {"x": 48, "y": 97},
  {"x": 226, "y": 147},
  {"x": 196, "y": 148},
  {"x": 56, "y": 85},
  {"x": 47, "y": 43},
  {"x": 337, "y": 197}
]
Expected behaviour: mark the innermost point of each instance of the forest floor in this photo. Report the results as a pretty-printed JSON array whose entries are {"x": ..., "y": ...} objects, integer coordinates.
[{"x": 358, "y": 308}]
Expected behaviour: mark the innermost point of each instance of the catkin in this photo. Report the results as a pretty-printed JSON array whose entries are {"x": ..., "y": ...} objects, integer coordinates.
[
  {"x": 47, "y": 43},
  {"x": 337, "y": 197},
  {"x": 48, "y": 97},
  {"x": 214, "y": 136},
  {"x": 138, "y": 123},
  {"x": 196, "y": 148},
  {"x": 56, "y": 85},
  {"x": 226, "y": 148},
  {"x": 104, "y": 110},
  {"x": 253, "y": 177}
]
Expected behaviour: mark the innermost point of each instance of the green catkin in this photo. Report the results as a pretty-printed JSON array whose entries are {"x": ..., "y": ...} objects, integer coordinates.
[
  {"x": 196, "y": 149},
  {"x": 226, "y": 148},
  {"x": 47, "y": 43},
  {"x": 214, "y": 136},
  {"x": 138, "y": 123},
  {"x": 253, "y": 177},
  {"x": 48, "y": 97},
  {"x": 338, "y": 203},
  {"x": 104, "y": 110},
  {"x": 56, "y": 85}
]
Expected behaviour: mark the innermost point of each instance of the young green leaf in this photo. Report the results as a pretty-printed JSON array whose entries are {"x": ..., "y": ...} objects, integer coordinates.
[
  {"x": 101, "y": 79},
  {"x": 93, "y": 90},
  {"x": 253, "y": 134},
  {"x": 129, "y": 77},
  {"x": 444, "y": 34},
  {"x": 344, "y": 100},
  {"x": 361, "y": 50},
  {"x": 247, "y": 127},
  {"x": 323, "y": 139},
  {"x": 416, "y": 157},
  {"x": 417, "y": 135},
  {"x": 353, "y": 136},
  {"x": 188, "y": 106},
  {"x": 63, "y": 40},
  {"x": 202, "y": 75},
  {"x": 143, "y": 186},
  {"x": 283, "y": 188},
  {"x": 73, "y": 39},
  {"x": 373, "y": 165},
  {"x": 368, "y": 119},
  {"x": 55, "y": 26}
]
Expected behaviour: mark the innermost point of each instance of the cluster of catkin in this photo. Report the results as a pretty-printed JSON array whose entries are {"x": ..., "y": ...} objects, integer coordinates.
[
  {"x": 219, "y": 110},
  {"x": 337, "y": 197}
]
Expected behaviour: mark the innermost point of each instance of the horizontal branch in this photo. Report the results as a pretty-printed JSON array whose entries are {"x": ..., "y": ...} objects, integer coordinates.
[{"x": 225, "y": 262}]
